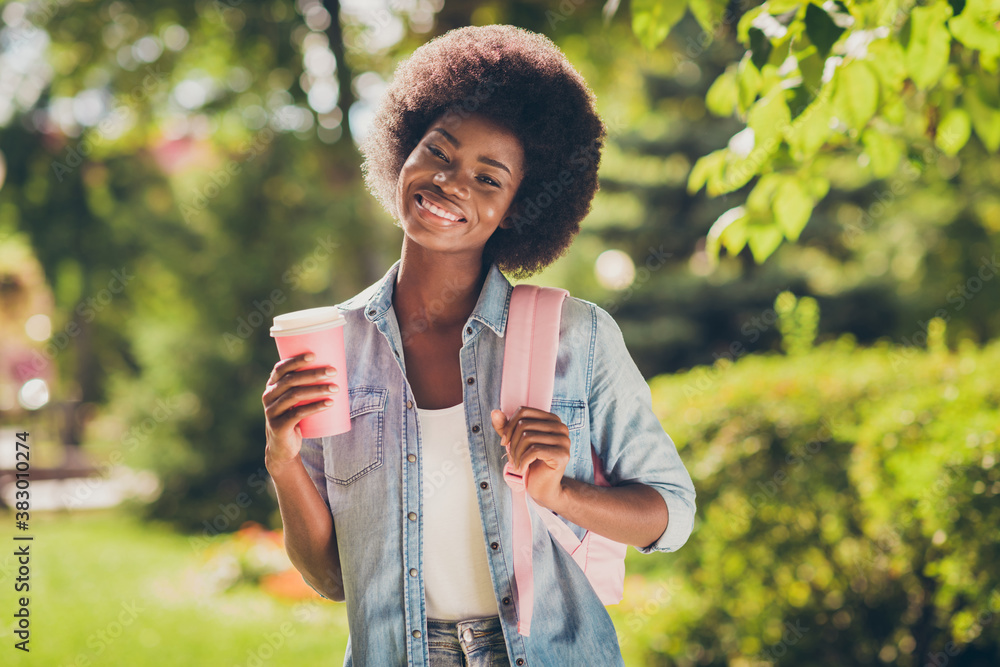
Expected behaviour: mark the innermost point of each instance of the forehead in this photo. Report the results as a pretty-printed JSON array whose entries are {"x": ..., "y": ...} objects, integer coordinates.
[{"x": 474, "y": 129}]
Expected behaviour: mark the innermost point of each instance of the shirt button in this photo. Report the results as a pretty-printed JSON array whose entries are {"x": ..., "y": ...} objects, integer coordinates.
[
  {"x": 371, "y": 312},
  {"x": 412, "y": 516},
  {"x": 409, "y": 405},
  {"x": 413, "y": 572},
  {"x": 416, "y": 633},
  {"x": 506, "y": 600},
  {"x": 467, "y": 635},
  {"x": 471, "y": 380},
  {"x": 494, "y": 546},
  {"x": 396, "y": 352},
  {"x": 475, "y": 429},
  {"x": 483, "y": 485},
  {"x": 520, "y": 661},
  {"x": 468, "y": 329},
  {"x": 411, "y": 458}
]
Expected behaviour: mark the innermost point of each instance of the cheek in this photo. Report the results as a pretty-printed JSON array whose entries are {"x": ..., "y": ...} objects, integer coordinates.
[
  {"x": 491, "y": 210},
  {"x": 406, "y": 174},
  {"x": 495, "y": 206},
  {"x": 412, "y": 167}
]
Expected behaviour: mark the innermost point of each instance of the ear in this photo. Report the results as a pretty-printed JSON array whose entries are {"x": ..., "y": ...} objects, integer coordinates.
[{"x": 507, "y": 222}]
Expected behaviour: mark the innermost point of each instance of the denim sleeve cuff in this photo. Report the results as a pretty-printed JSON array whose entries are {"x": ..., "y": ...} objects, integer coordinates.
[{"x": 679, "y": 525}]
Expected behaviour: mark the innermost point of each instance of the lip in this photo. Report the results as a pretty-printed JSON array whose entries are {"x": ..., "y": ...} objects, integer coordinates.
[
  {"x": 442, "y": 203},
  {"x": 432, "y": 217}
]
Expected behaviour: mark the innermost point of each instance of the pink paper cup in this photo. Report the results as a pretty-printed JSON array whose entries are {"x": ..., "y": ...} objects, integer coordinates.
[{"x": 320, "y": 331}]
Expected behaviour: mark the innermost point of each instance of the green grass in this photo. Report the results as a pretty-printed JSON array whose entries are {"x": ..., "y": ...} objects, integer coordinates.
[{"x": 109, "y": 590}]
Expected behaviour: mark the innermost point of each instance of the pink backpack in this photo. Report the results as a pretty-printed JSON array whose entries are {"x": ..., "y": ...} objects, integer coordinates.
[{"x": 532, "y": 342}]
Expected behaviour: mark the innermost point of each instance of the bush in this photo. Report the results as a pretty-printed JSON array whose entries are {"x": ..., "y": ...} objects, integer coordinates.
[{"x": 847, "y": 509}]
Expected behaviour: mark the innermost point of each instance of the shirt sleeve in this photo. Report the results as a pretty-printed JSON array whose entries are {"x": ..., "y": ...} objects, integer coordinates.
[
  {"x": 312, "y": 460},
  {"x": 629, "y": 437}
]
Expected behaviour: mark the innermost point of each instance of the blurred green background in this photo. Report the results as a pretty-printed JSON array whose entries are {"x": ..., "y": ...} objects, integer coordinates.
[{"x": 796, "y": 230}]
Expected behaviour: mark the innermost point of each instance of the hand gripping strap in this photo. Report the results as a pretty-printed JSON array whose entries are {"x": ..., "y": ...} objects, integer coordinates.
[{"x": 530, "y": 349}]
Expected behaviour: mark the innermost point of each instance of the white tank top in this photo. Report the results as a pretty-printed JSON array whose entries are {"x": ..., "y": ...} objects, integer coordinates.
[{"x": 457, "y": 581}]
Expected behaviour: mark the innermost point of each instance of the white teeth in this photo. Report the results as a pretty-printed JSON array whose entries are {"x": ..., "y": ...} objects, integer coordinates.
[{"x": 437, "y": 210}]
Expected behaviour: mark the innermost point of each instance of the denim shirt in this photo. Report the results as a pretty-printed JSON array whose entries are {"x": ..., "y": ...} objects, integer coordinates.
[{"x": 370, "y": 478}]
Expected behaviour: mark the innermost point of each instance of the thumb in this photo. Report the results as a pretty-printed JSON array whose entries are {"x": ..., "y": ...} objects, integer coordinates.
[{"x": 499, "y": 420}]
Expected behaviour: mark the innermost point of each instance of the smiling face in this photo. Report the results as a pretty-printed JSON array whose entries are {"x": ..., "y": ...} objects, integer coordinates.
[{"x": 458, "y": 185}]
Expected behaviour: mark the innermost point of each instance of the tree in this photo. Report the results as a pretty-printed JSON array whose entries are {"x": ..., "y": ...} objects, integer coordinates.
[{"x": 893, "y": 85}]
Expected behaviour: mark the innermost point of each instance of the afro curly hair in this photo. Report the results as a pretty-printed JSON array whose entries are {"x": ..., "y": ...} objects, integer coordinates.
[{"x": 521, "y": 81}]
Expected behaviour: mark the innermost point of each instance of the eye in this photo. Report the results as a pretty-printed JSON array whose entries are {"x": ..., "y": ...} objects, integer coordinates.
[
  {"x": 491, "y": 181},
  {"x": 436, "y": 152}
]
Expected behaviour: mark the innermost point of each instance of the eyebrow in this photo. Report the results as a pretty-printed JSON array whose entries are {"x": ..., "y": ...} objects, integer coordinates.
[{"x": 482, "y": 158}]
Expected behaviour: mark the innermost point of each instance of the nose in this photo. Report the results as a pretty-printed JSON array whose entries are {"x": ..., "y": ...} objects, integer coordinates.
[{"x": 450, "y": 184}]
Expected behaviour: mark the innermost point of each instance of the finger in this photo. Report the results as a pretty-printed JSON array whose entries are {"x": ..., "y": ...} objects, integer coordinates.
[
  {"x": 312, "y": 376},
  {"x": 526, "y": 412},
  {"x": 293, "y": 416},
  {"x": 290, "y": 364},
  {"x": 519, "y": 438},
  {"x": 311, "y": 392},
  {"x": 539, "y": 425},
  {"x": 549, "y": 455},
  {"x": 526, "y": 441},
  {"x": 499, "y": 420}
]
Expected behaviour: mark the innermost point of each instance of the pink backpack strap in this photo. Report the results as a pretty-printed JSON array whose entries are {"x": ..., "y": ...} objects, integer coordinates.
[{"x": 530, "y": 349}]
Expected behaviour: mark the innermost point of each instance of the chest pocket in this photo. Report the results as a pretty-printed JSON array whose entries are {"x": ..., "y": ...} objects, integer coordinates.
[
  {"x": 352, "y": 455},
  {"x": 573, "y": 413}
]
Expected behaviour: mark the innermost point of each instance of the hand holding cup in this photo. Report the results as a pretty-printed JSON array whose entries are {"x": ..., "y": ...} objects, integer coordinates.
[
  {"x": 299, "y": 402},
  {"x": 294, "y": 392}
]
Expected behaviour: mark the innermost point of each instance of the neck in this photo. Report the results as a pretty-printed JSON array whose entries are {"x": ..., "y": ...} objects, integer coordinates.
[{"x": 434, "y": 293}]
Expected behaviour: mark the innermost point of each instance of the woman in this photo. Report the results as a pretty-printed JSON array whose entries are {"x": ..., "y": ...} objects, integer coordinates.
[{"x": 485, "y": 149}]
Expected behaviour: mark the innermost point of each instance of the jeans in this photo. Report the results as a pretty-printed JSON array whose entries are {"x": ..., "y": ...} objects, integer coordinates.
[{"x": 475, "y": 642}]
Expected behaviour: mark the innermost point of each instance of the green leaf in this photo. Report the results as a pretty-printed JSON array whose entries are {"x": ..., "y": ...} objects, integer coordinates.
[
  {"x": 763, "y": 240},
  {"x": 760, "y": 47},
  {"x": 821, "y": 29},
  {"x": 894, "y": 111},
  {"x": 708, "y": 13},
  {"x": 769, "y": 79},
  {"x": 728, "y": 228},
  {"x": 759, "y": 199},
  {"x": 810, "y": 130},
  {"x": 749, "y": 80},
  {"x": 975, "y": 33},
  {"x": 734, "y": 237},
  {"x": 884, "y": 152},
  {"x": 738, "y": 172},
  {"x": 890, "y": 66},
  {"x": 769, "y": 118},
  {"x": 799, "y": 101},
  {"x": 817, "y": 187},
  {"x": 721, "y": 96},
  {"x": 953, "y": 131},
  {"x": 930, "y": 44},
  {"x": 706, "y": 167},
  {"x": 653, "y": 19},
  {"x": 792, "y": 207},
  {"x": 778, "y": 7},
  {"x": 746, "y": 20},
  {"x": 985, "y": 119},
  {"x": 811, "y": 66},
  {"x": 856, "y": 97}
]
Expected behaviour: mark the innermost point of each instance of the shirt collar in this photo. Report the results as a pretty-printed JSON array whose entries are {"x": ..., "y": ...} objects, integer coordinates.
[{"x": 491, "y": 308}]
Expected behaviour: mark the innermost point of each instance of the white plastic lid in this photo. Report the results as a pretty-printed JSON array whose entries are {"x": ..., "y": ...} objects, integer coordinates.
[{"x": 307, "y": 321}]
